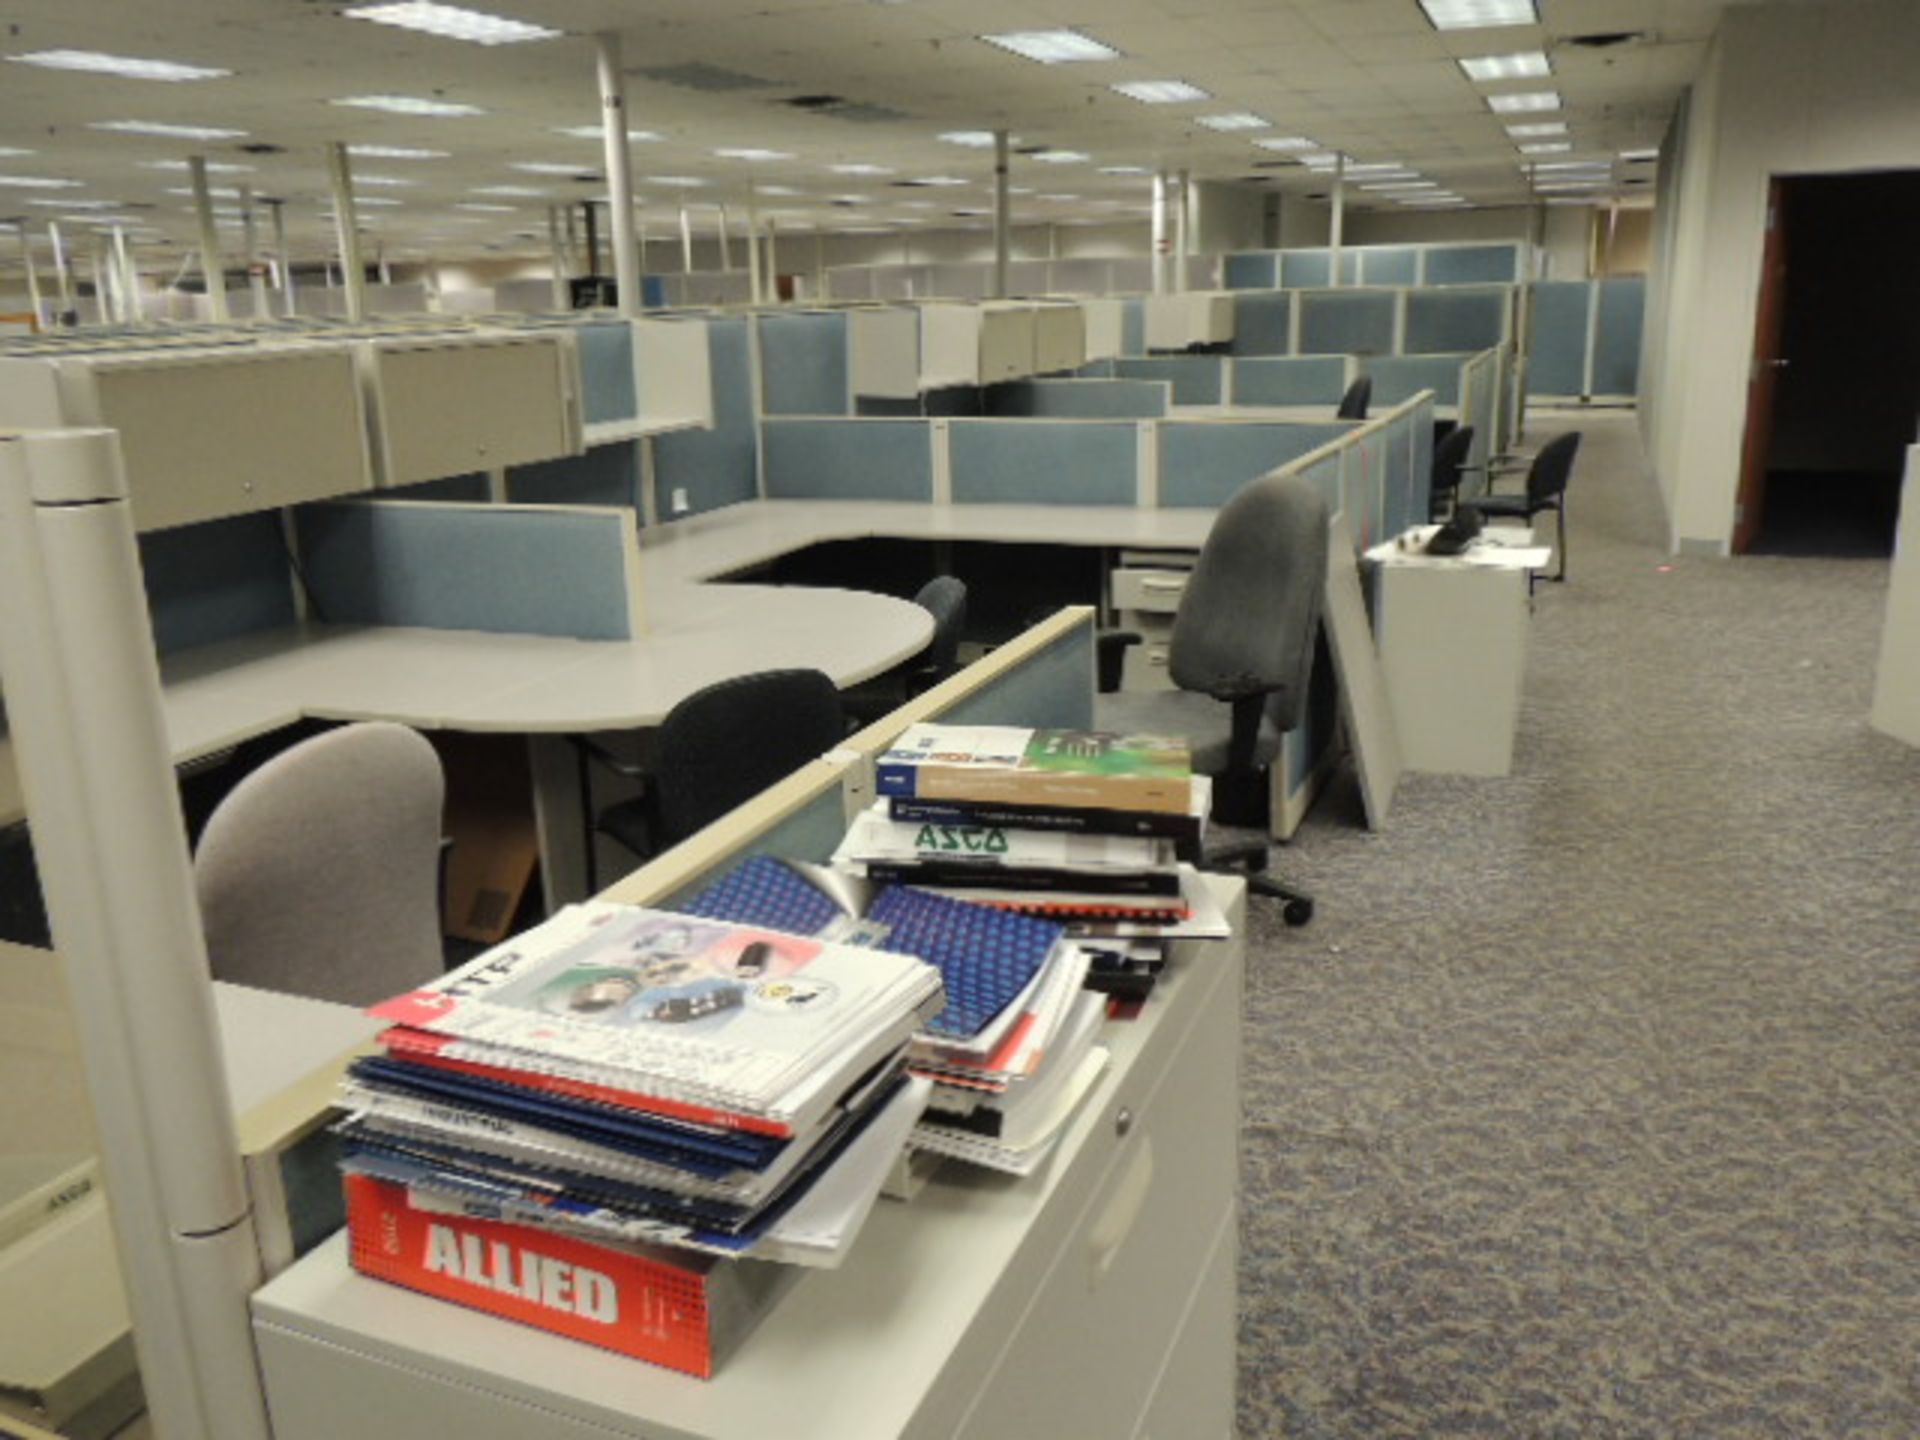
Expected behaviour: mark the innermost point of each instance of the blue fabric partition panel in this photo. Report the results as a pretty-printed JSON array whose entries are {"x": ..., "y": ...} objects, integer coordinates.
[
  {"x": 1060, "y": 462},
  {"x": 1304, "y": 269},
  {"x": 606, "y": 371},
  {"x": 1390, "y": 265},
  {"x": 448, "y": 567},
  {"x": 849, "y": 459},
  {"x": 1335, "y": 322},
  {"x": 1052, "y": 690},
  {"x": 1254, "y": 270},
  {"x": 1406, "y": 491},
  {"x": 1263, "y": 324},
  {"x": 466, "y": 489},
  {"x": 1616, "y": 339},
  {"x": 605, "y": 475},
  {"x": 1557, "y": 364},
  {"x": 1088, "y": 399},
  {"x": 1364, "y": 480},
  {"x": 1133, "y": 327},
  {"x": 1473, "y": 264},
  {"x": 719, "y": 466},
  {"x": 1196, "y": 378},
  {"x": 1455, "y": 321},
  {"x": 1292, "y": 380},
  {"x": 1325, "y": 475},
  {"x": 1422, "y": 478},
  {"x": 803, "y": 365},
  {"x": 1202, "y": 464},
  {"x": 1400, "y": 377},
  {"x": 216, "y": 580}
]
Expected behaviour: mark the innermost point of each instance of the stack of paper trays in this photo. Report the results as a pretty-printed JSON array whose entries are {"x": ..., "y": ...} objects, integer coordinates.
[
  {"x": 626, "y": 1076},
  {"x": 1013, "y": 1050}
]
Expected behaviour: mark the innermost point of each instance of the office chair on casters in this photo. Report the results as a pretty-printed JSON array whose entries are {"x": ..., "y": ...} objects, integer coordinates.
[
  {"x": 1241, "y": 654},
  {"x": 1353, "y": 404},
  {"x": 1449, "y": 469},
  {"x": 1546, "y": 490},
  {"x": 716, "y": 749},
  {"x": 945, "y": 598},
  {"x": 319, "y": 873}
]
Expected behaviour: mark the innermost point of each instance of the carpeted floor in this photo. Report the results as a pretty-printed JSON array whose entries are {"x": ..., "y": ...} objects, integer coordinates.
[{"x": 1589, "y": 1104}]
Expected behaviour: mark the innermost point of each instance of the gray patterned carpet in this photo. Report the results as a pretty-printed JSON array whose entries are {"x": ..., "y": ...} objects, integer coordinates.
[{"x": 1589, "y": 1104}]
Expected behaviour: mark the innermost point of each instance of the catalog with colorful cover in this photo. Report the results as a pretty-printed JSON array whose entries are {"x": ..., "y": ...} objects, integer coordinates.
[{"x": 1064, "y": 768}]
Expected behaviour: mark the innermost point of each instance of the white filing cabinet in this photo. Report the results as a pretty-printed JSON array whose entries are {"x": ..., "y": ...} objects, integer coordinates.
[
  {"x": 1146, "y": 591},
  {"x": 1093, "y": 1299}
]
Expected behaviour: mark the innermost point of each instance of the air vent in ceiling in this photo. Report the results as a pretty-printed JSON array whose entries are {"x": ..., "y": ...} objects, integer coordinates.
[
  {"x": 696, "y": 75},
  {"x": 841, "y": 108},
  {"x": 261, "y": 147},
  {"x": 1608, "y": 39}
]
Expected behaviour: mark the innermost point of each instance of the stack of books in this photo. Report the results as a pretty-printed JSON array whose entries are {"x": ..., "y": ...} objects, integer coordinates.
[
  {"x": 574, "y": 1127},
  {"x": 1013, "y": 1050}
]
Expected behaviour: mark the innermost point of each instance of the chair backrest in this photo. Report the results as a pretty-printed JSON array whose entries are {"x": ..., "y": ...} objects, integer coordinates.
[
  {"x": 319, "y": 873},
  {"x": 945, "y": 598},
  {"x": 723, "y": 745},
  {"x": 1353, "y": 404},
  {"x": 1547, "y": 476},
  {"x": 1450, "y": 455},
  {"x": 1250, "y": 613}
]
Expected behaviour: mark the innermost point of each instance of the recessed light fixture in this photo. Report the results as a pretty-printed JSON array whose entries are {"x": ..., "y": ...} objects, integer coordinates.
[
  {"x": 1568, "y": 183},
  {"x": 938, "y": 180},
  {"x": 16, "y": 150},
  {"x": 122, "y": 65},
  {"x": 595, "y": 132},
  {"x": 1636, "y": 156},
  {"x": 222, "y": 192},
  {"x": 1057, "y": 197},
  {"x": 1522, "y": 65},
  {"x": 39, "y": 182},
  {"x": 1320, "y": 159},
  {"x": 860, "y": 169},
  {"x": 1376, "y": 167},
  {"x": 1061, "y": 157},
  {"x": 491, "y": 209},
  {"x": 677, "y": 182},
  {"x": 1053, "y": 47},
  {"x": 977, "y": 139},
  {"x": 528, "y": 191},
  {"x": 1397, "y": 186},
  {"x": 1479, "y": 14},
  {"x": 547, "y": 167},
  {"x": 1287, "y": 142},
  {"x": 1235, "y": 120},
  {"x": 1535, "y": 131},
  {"x": 451, "y": 22},
  {"x": 1160, "y": 92},
  {"x": 1573, "y": 165},
  {"x": 749, "y": 152},
  {"x": 408, "y": 105},
  {"x": 374, "y": 200},
  {"x": 1524, "y": 102},
  {"x": 1547, "y": 147},
  {"x": 170, "y": 131},
  {"x": 1124, "y": 170},
  {"x": 378, "y": 181},
  {"x": 394, "y": 152},
  {"x": 71, "y": 204},
  {"x": 778, "y": 190}
]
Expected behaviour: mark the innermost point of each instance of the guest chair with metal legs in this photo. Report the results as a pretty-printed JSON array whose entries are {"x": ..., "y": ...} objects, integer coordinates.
[
  {"x": 1449, "y": 469},
  {"x": 1353, "y": 404},
  {"x": 1546, "y": 490}
]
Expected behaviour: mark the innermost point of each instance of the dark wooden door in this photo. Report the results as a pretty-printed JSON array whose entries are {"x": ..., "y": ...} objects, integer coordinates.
[{"x": 1764, "y": 373}]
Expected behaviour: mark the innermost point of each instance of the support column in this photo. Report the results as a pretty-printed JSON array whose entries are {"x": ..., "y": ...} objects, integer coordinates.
[
  {"x": 33, "y": 275},
  {"x": 613, "y": 120},
  {"x": 346, "y": 221},
  {"x": 726, "y": 250},
  {"x": 62, "y": 271},
  {"x": 754, "y": 294},
  {"x": 256, "y": 277},
  {"x": 1002, "y": 214},
  {"x": 1181, "y": 222},
  {"x": 212, "y": 268},
  {"x": 1337, "y": 231},
  {"x": 128, "y": 276},
  {"x": 283, "y": 266},
  {"x": 772, "y": 265},
  {"x": 1159, "y": 239},
  {"x": 686, "y": 242},
  {"x": 591, "y": 218},
  {"x": 562, "y": 296},
  {"x": 106, "y": 294}
]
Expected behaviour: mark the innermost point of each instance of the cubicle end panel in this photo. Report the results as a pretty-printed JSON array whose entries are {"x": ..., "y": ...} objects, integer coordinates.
[
  {"x": 804, "y": 367},
  {"x": 478, "y": 403},
  {"x": 1055, "y": 462}
]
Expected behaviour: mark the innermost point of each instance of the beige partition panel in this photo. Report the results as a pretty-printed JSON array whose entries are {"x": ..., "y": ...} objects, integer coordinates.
[{"x": 453, "y": 406}]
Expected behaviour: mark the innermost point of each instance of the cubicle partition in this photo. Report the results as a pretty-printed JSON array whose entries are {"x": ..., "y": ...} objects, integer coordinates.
[
  {"x": 1444, "y": 263},
  {"x": 1586, "y": 338}
]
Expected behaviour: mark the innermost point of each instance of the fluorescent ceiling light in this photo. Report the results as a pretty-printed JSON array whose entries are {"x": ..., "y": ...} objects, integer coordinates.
[
  {"x": 1400, "y": 185},
  {"x": 531, "y": 192},
  {"x": 214, "y": 167},
  {"x": 1124, "y": 170},
  {"x": 123, "y": 65},
  {"x": 451, "y": 22},
  {"x": 491, "y": 209},
  {"x": 1547, "y": 147},
  {"x": 16, "y": 150},
  {"x": 39, "y": 182},
  {"x": 1235, "y": 120},
  {"x": 224, "y": 192},
  {"x": 548, "y": 167},
  {"x": 678, "y": 182},
  {"x": 395, "y": 152},
  {"x": 939, "y": 180},
  {"x": 1479, "y": 14},
  {"x": 1160, "y": 92},
  {"x": 1574, "y": 165},
  {"x": 859, "y": 169},
  {"x": 1320, "y": 160},
  {"x": 978, "y": 139},
  {"x": 408, "y": 105},
  {"x": 1053, "y": 47},
  {"x": 1287, "y": 142},
  {"x": 783, "y": 190},
  {"x": 173, "y": 132},
  {"x": 1522, "y": 65},
  {"x": 1061, "y": 157},
  {"x": 1058, "y": 197},
  {"x": 596, "y": 132},
  {"x": 363, "y": 200},
  {"x": 1524, "y": 101},
  {"x": 69, "y": 204},
  {"x": 1376, "y": 167},
  {"x": 1533, "y": 131},
  {"x": 383, "y": 181},
  {"x": 749, "y": 152},
  {"x": 1639, "y": 155}
]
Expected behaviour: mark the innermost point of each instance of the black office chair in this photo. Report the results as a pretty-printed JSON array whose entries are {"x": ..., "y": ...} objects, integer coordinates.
[
  {"x": 945, "y": 598},
  {"x": 1546, "y": 490},
  {"x": 1449, "y": 468},
  {"x": 716, "y": 749},
  {"x": 1353, "y": 404},
  {"x": 1242, "y": 655}
]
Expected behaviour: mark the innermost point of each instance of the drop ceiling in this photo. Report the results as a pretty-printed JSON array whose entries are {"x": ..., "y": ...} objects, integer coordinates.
[{"x": 1370, "y": 78}]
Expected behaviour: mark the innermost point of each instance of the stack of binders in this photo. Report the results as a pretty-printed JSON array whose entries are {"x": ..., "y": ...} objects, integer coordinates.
[{"x": 573, "y": 1129}]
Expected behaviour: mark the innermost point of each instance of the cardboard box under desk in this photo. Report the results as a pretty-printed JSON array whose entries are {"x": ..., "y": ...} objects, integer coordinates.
[{"x": 489, "y": 819}]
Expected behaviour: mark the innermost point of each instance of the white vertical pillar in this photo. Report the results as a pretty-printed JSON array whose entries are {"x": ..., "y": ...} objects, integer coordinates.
[
  {"x": 574, "y": 267},
  {"x": 613, "y": 120},
  {"x": 256, "y": 276},
  {"x": 33, "y": 274},
  {"x": 1002, "y": 214},
  {"x": 772, "y": 265},
  {"x": 726, "y": 250},
  {"x": 1181, "y": 221},
  {"x": 106, "y": 294},
  {"x": 283, "y": 264},
  {"x": 820, "y": 263},
  {"x": 212, "y": 268},
  {"x": 346, "y": 222},
  {"x": 686, "y": 241},
  {"x": 562, "y": 298},
  {"x": 129, "y": 277},
  {"x": 1338, "y": 224},
  {"x": 754, "y": 277},
  {"x": 1159, "y": 235},
  {"x": 62, "y": 271}
]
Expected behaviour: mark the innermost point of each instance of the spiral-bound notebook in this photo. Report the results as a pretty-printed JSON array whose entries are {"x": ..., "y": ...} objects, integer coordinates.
[{"x": 985, "y": 957}]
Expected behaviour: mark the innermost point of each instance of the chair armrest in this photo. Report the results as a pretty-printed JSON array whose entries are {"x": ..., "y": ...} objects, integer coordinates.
[{"x": 1110, "y": 652}]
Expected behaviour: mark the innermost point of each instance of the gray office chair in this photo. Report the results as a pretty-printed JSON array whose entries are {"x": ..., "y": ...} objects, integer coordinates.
[
  {"x": 1353, "y": 404},
  {"x": 1242, "y": 655},
  {"x": 1449, "y": 469},
  {"x": 716, "y": 749},
  {"x": 319, "y": 873},
  {"x": 945, "y": 598}
]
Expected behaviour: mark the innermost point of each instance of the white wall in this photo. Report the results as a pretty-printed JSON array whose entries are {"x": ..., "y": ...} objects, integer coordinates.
[
  {"x": 1303, "y": 223},
  {"x": 1786, "y": 90}
]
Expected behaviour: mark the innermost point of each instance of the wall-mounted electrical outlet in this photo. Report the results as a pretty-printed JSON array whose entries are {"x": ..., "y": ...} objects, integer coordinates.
[{"x": 679, "y": 501}]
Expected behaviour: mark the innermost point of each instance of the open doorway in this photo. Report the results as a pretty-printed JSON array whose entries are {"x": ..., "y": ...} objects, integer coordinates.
[{"x": 1836, "y": 380}]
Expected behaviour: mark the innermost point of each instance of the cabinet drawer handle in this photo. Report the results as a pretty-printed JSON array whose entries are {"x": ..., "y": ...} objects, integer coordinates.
[
  {"x": 1109, "y": 1232},
  {"x": 1165, "y": 587}
]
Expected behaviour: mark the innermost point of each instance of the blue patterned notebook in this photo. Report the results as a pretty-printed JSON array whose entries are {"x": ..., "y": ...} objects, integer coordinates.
[{"x": 985, "y": 957}]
